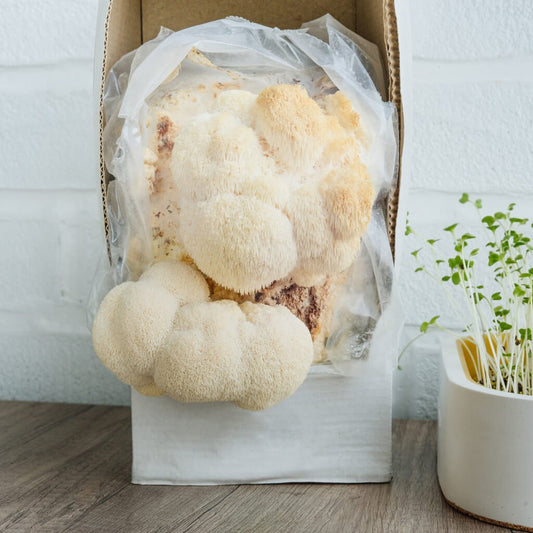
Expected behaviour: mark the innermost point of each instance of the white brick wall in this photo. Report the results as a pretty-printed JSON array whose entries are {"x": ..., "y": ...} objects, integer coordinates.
[
  {"x": 50, "y": 228},
  {"x": 472, "y": 85},
  {"x": 473, "y": 75},
  {"x": 44, "y": 32},
  {"x": 471, "y": 30}
]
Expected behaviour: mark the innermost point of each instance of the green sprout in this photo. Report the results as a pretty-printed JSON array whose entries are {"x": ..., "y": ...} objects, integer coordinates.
[{"x": 500, "y": 322}]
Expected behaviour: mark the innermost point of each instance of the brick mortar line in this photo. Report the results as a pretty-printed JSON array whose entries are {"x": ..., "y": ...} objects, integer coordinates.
[
  {"x": 513, "y": 69},
  {"x": 50, "y": 205},
  {"x": 6, "y": 191},
  {"x": 516, "y": 195},
  {"x": 67, "y": 320},
  {"x": 61, "y": 190},
  {"x": 63, "y": 76},
  {"x": 60, "y": 63}
]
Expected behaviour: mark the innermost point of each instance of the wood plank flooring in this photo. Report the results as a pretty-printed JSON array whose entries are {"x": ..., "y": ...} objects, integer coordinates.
[{"x": 67, "y": 468}]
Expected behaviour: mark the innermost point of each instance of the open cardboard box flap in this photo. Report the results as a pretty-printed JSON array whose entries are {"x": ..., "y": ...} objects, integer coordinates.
[{"x": 129, "y": 23}]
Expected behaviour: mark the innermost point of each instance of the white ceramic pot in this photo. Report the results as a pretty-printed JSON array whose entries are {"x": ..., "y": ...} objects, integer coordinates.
[{"x": 485, "y": 446}]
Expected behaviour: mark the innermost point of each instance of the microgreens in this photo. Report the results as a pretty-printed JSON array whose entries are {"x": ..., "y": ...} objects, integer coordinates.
[{"x": 500, "y": 306}]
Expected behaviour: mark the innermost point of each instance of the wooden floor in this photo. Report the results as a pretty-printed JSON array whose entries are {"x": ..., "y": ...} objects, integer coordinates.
[{"x": 67, "y": 467}]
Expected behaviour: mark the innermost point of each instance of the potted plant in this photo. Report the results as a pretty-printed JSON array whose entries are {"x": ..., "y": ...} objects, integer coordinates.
[{"x": 485, "y": 427}]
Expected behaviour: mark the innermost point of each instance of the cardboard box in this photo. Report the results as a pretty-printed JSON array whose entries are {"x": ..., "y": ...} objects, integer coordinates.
[{"x": 334, "y": 428}]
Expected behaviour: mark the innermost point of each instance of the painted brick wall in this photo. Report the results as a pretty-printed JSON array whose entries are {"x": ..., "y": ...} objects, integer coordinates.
[
  {"x": 50, "y": 231},
  {"x": 472, "y": 113},
  {"x": 472, "y": 105}
]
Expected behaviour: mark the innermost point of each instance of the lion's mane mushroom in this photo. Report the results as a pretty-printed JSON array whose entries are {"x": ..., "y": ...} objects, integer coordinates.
[
  {"x": 272, "y": 187},
  {"x": 266, "y": 194},
  {"x": 252, "y": 236},
  {"x": 162, "y": 335}
]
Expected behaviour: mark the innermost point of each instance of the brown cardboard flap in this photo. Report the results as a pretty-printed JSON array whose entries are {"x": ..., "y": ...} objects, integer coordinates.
[
  {"x": 131, "y": 22},
  {"x": 122, "y": 33},
  {"x": 181, "y": 14},
  {"x": 124, "y": 30},
  {"x": 392, "y": 48}
]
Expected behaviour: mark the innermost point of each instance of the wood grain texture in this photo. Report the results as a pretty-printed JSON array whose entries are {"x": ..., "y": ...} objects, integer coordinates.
[{"x": 67, "y": 468}]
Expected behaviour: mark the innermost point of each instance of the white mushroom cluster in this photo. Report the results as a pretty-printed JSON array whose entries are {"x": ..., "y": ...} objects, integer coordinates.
[
  {"x": 272, "y": 186},
  {"x": 250, "y": 190},
  {"x": 162, "y": 335}
]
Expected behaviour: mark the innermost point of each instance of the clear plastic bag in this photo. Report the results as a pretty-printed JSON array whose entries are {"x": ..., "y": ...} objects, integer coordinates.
[{"x": 324, "y": 57}]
